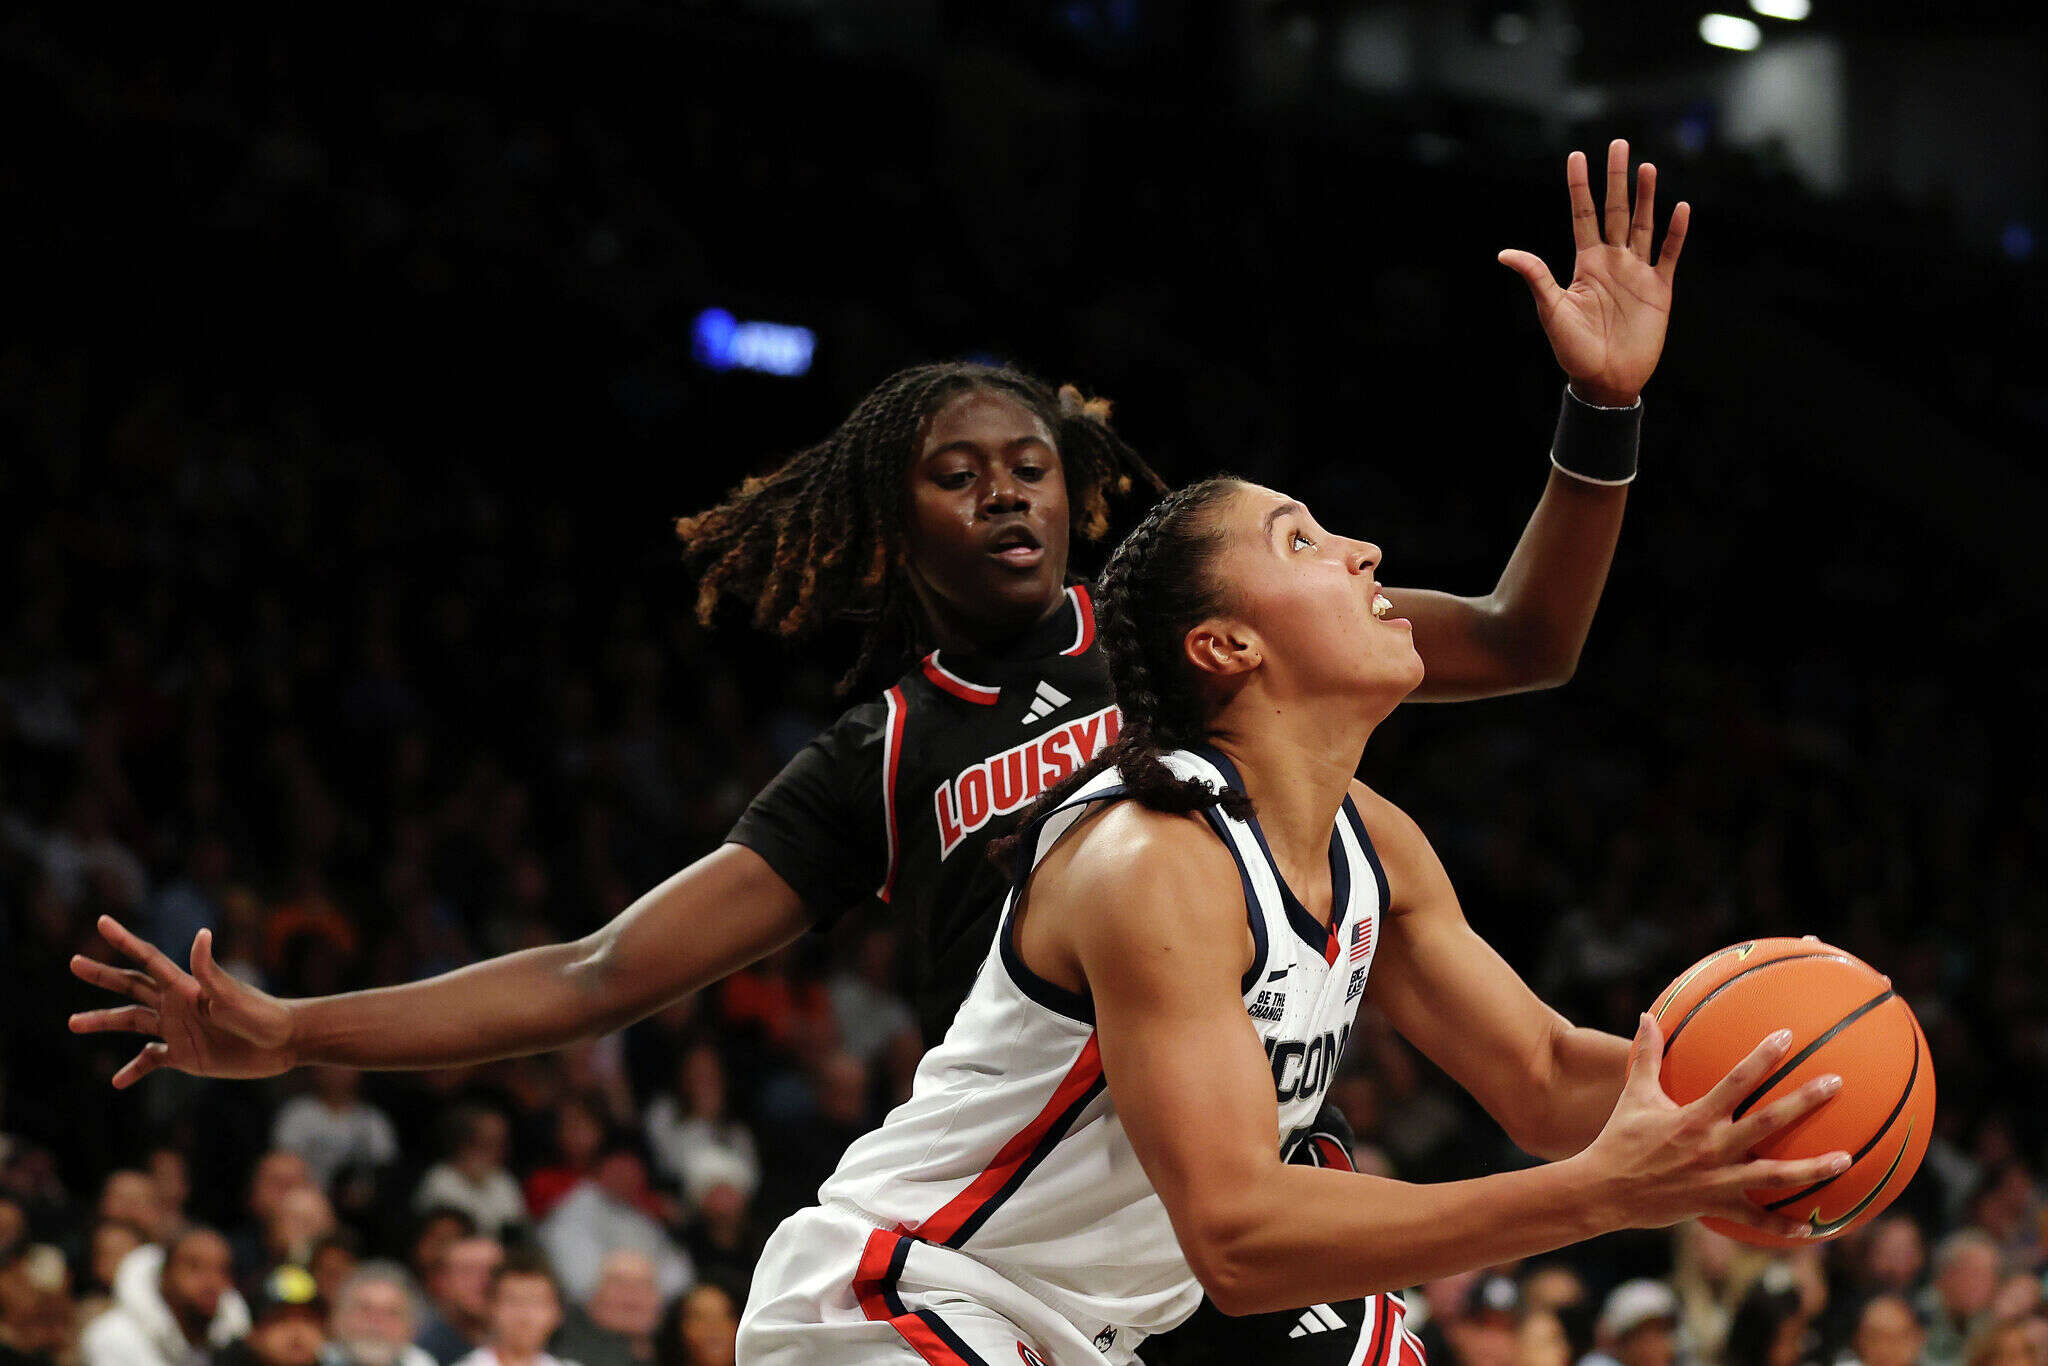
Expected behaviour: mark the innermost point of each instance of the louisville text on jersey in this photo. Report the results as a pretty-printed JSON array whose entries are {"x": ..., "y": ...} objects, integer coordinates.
[{"x": 1007, "y": 782}]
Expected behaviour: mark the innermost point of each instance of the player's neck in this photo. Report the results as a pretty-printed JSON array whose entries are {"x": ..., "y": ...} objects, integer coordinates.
[{"x": 1297, "y": 763}]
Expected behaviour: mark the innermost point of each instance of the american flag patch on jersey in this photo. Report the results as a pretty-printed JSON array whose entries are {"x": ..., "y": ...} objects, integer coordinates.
[{"x": 1361, "y": 940}]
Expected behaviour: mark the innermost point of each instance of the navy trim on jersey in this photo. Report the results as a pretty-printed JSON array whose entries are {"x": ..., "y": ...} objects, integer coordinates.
[
  {"x": 1214, "y": 815},
  {"x": 1312, "y": 931},
  {"x": 1372, "y": 858},
  {"x": 1051, "y": 995},
  {"x": 1046, "y": 1143}
]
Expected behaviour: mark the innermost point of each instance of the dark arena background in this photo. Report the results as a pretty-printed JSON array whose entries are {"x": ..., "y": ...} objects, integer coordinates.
[{"x": 355, "y": 360}]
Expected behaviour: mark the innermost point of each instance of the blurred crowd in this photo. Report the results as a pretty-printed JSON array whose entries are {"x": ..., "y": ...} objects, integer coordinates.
[{"x": 335, "y": 445}]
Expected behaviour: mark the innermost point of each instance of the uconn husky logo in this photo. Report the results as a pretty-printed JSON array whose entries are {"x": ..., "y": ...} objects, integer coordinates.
[{"x": 1302, "y": 1068}]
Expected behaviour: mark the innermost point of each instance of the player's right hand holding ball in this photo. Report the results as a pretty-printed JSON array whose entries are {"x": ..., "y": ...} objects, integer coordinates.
[{"x": 1658, "y": 1162}]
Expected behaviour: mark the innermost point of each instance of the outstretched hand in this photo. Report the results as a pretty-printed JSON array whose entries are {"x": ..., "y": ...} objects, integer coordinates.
[
  {"x": 1670, "y": 1161},
  {"x": 1607, "y": 329},
  {"x": 205, "y": 1022}
]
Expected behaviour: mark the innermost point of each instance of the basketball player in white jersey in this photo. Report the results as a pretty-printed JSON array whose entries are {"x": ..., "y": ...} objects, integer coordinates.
[{"x": 1099, "y": 1138}]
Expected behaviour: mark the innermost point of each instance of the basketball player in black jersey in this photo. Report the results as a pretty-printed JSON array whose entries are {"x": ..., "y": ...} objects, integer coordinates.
[{"x": 940, "y": 514}]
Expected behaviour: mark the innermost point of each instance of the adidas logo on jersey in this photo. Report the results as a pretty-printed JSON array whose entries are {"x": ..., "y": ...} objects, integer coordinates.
[
  {"x": 1317, "y": 1318},
  {"x": 1048, "y": 701}
]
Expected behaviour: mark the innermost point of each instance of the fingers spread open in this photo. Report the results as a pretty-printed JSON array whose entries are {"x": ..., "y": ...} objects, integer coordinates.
[
  {"x": 1744, "y": 1076},
  {"x": 1758, "y": 1125},
  {"x": 142, "y": 1064},
  {"x": 115, "y": 1020},
  {"x": 1532, "y": 270},
  {"x": 1585, "y": 222},
  {"x": 142, "y": 951},
  {"x": 1674, "y": 241},
  {"x": 1643, "y": 225},
  {"x": 1766, "y": 1172},
  {"x": 127, "y": 981},
  {"x": 1617, "y": 193}
]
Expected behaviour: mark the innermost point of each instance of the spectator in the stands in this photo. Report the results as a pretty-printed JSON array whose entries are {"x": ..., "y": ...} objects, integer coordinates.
[
  {"x": 525, "y": 1309},
  {"x": 458, "y": 1290},
  {"x": 1540, "y": 1338},
  {"x": 722, "y": 1237},
  {"x": 1769, "y": 1328},
  {"x": 473, "y": 1178},
  {"x": 111, "y": 1242},
  {"x": 276, "y": 1175},
  {"x": 615, "y": 1326},
  {"x": 701, "y": 1328},
  {"x": 333, "y": 1260},
  {"x": 1958, "y": 1301},
  {"x": 172, "y": 1177},
  {"x": 376, "y": 1312},
  {"x": 174, "y": 1305},
  {"x": 302, "y": 1218},
  {"x": 132, "y": 1197},
  {"x": 433, "y": 1233},
  {"x": 2002, "y": 1342},
  {"x": 37, "y": 1322},
  {"x": 288, "y": 1323},
  {"x": 610, "y": 1212},
  {"x": 694, "y": 1123},
  {"x": 1484, "y": 1334},
  {"x": 333, "y": 1127},
  {"x": 1888, "y": 1333},
  {"x": 579, "y": 1133},
  {"x": 1638, "y": 1326},
  {"x": 875, "y": 1023}
]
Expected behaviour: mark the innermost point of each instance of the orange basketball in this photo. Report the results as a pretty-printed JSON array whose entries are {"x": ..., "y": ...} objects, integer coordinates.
[{"x": 1845, "y": 1018}]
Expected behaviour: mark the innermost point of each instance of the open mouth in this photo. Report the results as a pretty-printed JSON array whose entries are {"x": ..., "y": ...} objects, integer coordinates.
[
  {"x": 1383, "y": 610},
  {"x": 1015, "y": 545}
]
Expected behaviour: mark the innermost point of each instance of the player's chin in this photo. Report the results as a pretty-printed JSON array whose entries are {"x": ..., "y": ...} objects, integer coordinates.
[{"x": 1011, "y": 593}]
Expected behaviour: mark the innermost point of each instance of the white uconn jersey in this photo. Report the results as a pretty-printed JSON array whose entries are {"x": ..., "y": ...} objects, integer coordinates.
[{"x": 1009, "y": 1149}]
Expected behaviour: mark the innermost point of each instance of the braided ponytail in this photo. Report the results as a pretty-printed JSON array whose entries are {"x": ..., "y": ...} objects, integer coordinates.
[{"x": 1156, "y": 586}]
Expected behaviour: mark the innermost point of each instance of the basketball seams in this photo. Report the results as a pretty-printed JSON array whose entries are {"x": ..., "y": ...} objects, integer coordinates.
[
  {"x": 1732, "y": 979},
  {"x": 1820, "y": 1041},
  {"x": 1905, "y": 1094}
]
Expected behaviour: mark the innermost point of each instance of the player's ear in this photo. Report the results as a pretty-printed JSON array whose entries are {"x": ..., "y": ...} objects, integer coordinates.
[{"x": 1223, "y": 648}]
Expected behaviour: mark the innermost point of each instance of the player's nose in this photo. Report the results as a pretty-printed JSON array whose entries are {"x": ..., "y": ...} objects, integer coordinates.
[
  {"x": 1365, "y": 557},
  {"x": 1004, "y": 492}
]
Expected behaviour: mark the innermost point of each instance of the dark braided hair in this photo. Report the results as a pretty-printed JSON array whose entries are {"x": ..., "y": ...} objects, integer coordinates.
[
  {"x": 822, "y": 539},
  {"x": 1157, "y": 585}
]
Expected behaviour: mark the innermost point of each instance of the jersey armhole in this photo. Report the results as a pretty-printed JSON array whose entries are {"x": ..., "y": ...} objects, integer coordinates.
[
  {"x": 1051, "y": 995},
  {"x": 1253, "y": 918},
  {"x": 1372, "y": 856}
]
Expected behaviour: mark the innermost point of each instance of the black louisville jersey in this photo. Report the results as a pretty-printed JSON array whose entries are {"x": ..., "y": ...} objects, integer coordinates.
[{"x": 900, "y": 797}]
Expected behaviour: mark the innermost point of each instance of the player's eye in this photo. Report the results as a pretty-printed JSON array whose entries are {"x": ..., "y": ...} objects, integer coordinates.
[
  {"x": 1301, "y": 542},
  {"x": 1032, "y": 472},
  {"x": 957, "y": 479}
]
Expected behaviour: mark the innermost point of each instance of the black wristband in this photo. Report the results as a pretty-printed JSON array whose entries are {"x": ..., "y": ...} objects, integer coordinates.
[{"x": 1597, "y": 444}]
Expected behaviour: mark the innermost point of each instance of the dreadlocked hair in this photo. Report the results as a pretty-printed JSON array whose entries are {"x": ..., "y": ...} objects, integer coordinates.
[
  {"x": 821, "y": 539},
  {"x": 1157, "y": 585}
]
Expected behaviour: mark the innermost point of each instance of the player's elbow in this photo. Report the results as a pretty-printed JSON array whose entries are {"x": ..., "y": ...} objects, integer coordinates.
[{"x": 1228, "y": 1255}]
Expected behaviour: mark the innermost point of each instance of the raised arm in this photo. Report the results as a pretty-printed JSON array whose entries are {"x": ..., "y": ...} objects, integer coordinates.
[
  {"x": 722, "y": 912},
  {"x": 1607, "y": 331},
  {"x": 1157, "y": 929}
]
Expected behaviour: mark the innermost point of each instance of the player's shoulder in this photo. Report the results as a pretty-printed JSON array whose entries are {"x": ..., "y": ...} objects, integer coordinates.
[{"x": 1133, "y": 858}]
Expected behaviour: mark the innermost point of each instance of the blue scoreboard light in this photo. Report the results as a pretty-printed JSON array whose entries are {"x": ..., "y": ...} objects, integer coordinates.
[{"x": 720, "y": 341}]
